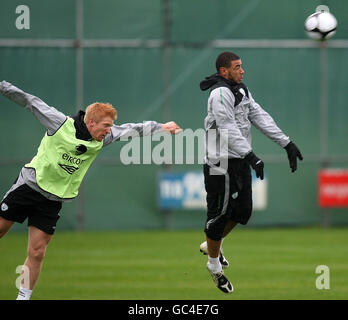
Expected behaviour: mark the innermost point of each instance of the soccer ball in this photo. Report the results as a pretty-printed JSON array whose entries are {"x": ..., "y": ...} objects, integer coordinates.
[{"x": 321, "y": 25}]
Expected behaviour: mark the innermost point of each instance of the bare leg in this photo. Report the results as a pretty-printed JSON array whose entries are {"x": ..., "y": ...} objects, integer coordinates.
[
  {"x": 5, "y": 226},
  {"x": 213, "y": 247},
  {"x": 228, "y": 228},
  {"x": 37, "y": 244}
]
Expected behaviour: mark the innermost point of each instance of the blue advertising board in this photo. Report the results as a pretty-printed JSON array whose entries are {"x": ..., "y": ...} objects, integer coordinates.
[{"x": 185, "y": 190}]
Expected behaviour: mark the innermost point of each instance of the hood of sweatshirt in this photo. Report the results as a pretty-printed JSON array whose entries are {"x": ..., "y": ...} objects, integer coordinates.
[
  {"x": 80, "y": 126},
  {"x": 215, "y": 81}
]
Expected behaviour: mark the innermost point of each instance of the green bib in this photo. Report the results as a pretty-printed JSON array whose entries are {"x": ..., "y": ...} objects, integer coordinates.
[{"x": 62, "y": 161}]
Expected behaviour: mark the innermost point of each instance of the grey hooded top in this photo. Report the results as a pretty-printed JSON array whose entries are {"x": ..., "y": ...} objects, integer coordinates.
[{"x": 231, "y": 112}]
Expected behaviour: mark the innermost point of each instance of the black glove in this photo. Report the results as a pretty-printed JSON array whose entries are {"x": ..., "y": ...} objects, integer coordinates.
[
  {"x": 293, "y": 153},
  {"x": 256, "y": 163}
]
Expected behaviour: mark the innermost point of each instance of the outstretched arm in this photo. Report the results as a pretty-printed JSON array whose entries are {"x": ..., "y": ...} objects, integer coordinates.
[
  {"x": 48, "y": 116},
  {"x": 265, "y": 123},
  {"x": 128, "y": 130}
]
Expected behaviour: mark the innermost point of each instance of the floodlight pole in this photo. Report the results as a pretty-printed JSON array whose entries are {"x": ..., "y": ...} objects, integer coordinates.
[{"x": 324, "y": 161}]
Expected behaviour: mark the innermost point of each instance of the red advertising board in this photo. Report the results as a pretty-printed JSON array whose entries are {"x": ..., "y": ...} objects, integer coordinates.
[{"x": 333, "y": 188}]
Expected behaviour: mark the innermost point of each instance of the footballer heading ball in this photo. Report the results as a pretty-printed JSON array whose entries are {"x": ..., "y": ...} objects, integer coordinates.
[{"x": 321, "y": 25}]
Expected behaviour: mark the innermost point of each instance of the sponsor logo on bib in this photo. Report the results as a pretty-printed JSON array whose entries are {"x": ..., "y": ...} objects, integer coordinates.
[{"x": 68, "y": 169}]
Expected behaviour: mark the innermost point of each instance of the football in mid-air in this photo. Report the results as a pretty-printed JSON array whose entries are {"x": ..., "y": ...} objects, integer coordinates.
[{"x": 321, "y": 25}]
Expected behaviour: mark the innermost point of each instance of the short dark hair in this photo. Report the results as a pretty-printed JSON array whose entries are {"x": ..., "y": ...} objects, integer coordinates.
[{"x": 224, "y": 59}]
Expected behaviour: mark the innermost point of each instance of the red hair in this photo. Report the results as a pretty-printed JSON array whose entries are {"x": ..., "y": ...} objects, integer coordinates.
[{"x": 97, "y": 110}]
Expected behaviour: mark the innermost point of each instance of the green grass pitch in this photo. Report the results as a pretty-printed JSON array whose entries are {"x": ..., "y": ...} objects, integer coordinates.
[{"x": 167, "y": 265}]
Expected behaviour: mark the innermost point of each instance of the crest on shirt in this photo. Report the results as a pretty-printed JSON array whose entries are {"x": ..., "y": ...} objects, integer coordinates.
[{"x": 80, "y": 149}]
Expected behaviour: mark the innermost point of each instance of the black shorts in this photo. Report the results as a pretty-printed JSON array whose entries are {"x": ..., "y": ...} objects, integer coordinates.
[
  {"x": 24, "y": 202},
  {"x": 229, "y": 196}
]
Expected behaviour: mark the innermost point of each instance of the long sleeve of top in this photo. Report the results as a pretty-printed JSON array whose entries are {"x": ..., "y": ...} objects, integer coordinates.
[
  {"x": 132, "y": 130},
  {"x": 49, "y": 117},
  {"x": 265, "y": 123}
]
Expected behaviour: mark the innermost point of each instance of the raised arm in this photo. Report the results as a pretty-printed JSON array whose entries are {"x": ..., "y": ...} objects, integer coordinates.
[
  {"x": 138, "y": 130},
  {"x": 48, "y": 116}
]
